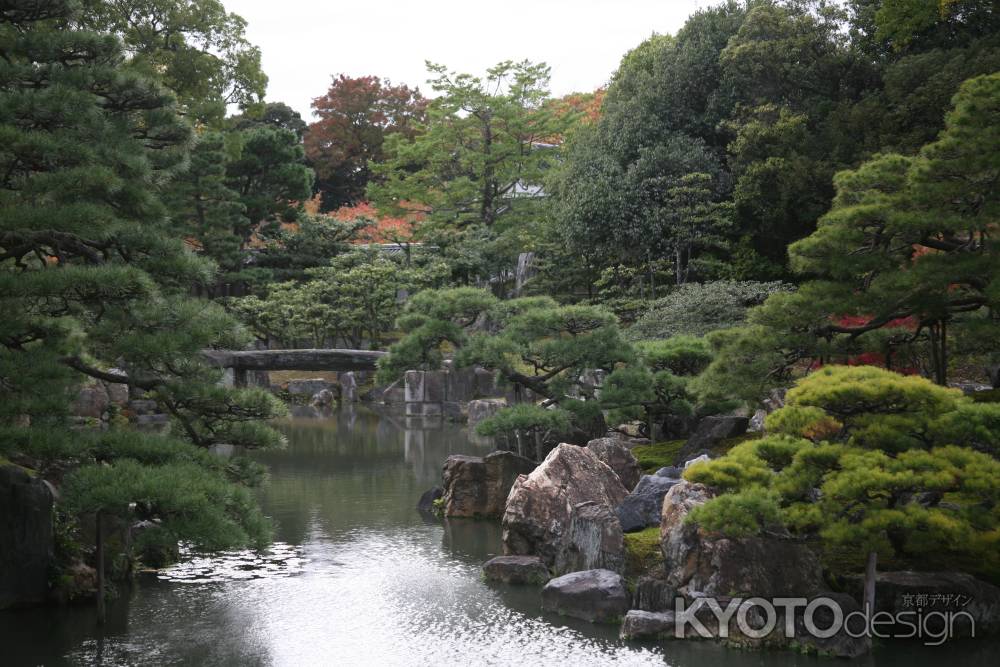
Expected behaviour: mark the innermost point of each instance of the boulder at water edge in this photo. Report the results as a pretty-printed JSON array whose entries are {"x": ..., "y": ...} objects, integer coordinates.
[
  {"x": 542, "y": 507},
  {"x": 595, "y": 540},
  {"x": 619, "y": 458},
  {"x": 26, "y": 538},
  {"x": 598, "y": 596},
  {"x": 699, "y": 562},
  {"x": 478, "y": 486},
  {"x": 516, "y": 570},
  {"x": 639, "y": 624}
]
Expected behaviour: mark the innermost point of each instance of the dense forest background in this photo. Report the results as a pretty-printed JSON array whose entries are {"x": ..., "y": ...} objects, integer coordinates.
[{"x": 780, "y": 186}]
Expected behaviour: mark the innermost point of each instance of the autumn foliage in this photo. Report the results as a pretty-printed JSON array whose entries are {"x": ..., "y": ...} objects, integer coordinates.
[{"x": 355, "y": 116}]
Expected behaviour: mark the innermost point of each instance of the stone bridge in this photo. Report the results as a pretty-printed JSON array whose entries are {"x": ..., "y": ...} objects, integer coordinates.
[{"x": 242, "y": 362}]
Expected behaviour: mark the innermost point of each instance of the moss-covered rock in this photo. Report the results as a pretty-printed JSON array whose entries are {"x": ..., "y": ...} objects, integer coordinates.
[{"x": 642, "y": 551}]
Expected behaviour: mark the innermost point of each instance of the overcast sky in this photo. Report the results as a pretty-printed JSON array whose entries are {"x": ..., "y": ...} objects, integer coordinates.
[{"x": 305, "y": 42}]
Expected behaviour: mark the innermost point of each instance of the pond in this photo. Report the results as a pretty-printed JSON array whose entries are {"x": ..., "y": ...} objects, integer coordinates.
[{"x": 358, "y": 577}]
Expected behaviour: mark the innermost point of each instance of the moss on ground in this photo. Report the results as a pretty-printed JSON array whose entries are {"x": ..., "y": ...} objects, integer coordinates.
[
  {"x": 642, "y": 551},
  {"x": 658, "y": 455},
  {"x": 653, "y": 457}
]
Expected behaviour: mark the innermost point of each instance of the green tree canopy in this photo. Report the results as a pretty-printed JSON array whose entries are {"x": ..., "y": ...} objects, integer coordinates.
[
  {"x": 94, "y": 279},
  {"x": 195, "y": 48},
  {"x": 869, "y": 460},
  {"x": 476, "y": 165}
]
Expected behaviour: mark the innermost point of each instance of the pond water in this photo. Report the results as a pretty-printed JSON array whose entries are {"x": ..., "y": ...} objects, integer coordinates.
[{"x": 358, "y": 577}]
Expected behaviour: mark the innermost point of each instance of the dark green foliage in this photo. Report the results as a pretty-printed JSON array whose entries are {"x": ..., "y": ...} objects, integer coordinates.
[
  {"x": 191, "y": 502},
  {"x": 864, "y": 457},
  {"x": 351, "y": 302},
  {"x": 205, "y": 208},
  {"x": 195, "y": 48},
  {"x": 95, "y": 280},
  {"x": 698, "y": 308},
  {"x": 657, "y": 388},
  {"x": 268, "y": 170}
]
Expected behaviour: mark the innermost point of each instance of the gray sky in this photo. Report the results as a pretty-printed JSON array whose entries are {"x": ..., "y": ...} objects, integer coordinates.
[{"x": 304, "y": 42}]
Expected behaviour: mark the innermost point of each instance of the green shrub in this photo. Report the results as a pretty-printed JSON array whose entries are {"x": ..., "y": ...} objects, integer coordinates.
[{"x": 698, "y": 308}]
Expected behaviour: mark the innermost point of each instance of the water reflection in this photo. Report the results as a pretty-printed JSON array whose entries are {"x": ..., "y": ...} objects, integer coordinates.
[{"x": 358, "y": 577}]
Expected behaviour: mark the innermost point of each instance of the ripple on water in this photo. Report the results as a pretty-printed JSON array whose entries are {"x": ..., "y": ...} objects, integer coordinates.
[{"x": 279, "y": 560}]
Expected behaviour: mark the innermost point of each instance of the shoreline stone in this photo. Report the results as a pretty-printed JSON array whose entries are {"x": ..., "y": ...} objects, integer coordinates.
[
  {"x": 598, "y": 596},
  {"x": 477, "y": 486},
  {"x": 518, "y": 570}
]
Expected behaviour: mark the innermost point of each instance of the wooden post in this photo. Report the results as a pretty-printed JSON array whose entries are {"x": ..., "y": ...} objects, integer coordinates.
[{"x": 101, "y": 615}]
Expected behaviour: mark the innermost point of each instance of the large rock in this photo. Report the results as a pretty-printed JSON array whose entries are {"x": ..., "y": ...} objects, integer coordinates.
[
  {"x": 26, "y": 539},
  {"x": 640, "y": 624},
  {"x": 938, "y": 591},
  {"x": 699, "y": 562},
  {"x": 516, "y": 570},
  {"x": 478, "y": 486},
  {"x": 619, "y": 458},
  {"x": 595, "y": 540},
  {"x": 484, "y": 408},
  {"x": 642, "y": 508},
  {"x": 598, "y": 596},
  {"x": 842, "y": 644},
  {"x": 541, "y": 506},
  {"x": 709, "y": 432}
]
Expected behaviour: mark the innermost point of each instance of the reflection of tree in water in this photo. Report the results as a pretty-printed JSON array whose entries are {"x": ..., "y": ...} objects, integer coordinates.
[{"x": 356, "y": 469}]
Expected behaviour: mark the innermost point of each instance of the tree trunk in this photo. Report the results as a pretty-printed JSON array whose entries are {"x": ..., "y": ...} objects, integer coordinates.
[
  {"x": 652, "y": 274},
  {"x": 868, "y": 603},
  {"x": 943, "y": 356},
  {"x": 99, "y": 525}
]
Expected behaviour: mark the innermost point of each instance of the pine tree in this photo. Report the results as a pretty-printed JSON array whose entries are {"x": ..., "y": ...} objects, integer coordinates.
[
  {"x": 94, "y": 279},
  {"x": 866, "y": 461}
]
